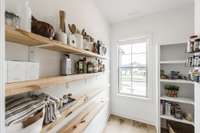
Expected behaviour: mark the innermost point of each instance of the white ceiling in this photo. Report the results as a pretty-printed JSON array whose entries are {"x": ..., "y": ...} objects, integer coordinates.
[{"x": 119, "y": 10}]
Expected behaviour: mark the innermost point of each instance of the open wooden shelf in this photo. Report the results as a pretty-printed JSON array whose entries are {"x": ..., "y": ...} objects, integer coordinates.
[
  {"x": 80, "y": 101},
  {"x": 31, "y": 39},
  {"x": 80, "y": 123},
  {"x": 32, "y": 85}
]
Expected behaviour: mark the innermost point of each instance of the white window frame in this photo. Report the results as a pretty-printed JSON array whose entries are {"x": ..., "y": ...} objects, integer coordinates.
[{"x": 129, "y": 41}]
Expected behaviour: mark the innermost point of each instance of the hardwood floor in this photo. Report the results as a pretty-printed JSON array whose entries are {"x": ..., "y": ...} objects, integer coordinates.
[{"x": 122, "y": 125}]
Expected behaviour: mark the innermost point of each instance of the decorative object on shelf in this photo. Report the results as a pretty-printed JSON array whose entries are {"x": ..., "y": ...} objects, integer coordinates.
[
  {"x": 178, "y": 112},
  {"x": 24, "y": 12},
  {"x": 177, "y": 75},
  {"x": 62, "y": 35},
  {"x": 12, "y": 20},
  {"x": 171, "y": 90},
  {"x": 72, "y": 37},
  {"x": 79, "y": 39},
  {"x": 25, "y": 71},
  {"x": 193, "y": 61},
  {"x": 188, "y": 117},
  {"x": 163, "y": 75},
  {"x": 66, "y": 65},
  {"x": 191, "y": 45},
  {"x": 80, "y": 66},
  {"x": 194, "y": 75},
  {"x": 42, "y": 28}
]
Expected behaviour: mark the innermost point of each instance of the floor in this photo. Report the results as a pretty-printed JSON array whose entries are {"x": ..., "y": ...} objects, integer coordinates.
[{"x": 121, "y": 125}]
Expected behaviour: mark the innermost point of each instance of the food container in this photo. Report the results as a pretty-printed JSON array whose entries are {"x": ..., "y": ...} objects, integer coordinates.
[
  {"x": 61, "y": 36},
  {"x": 72, "y": 40},
  {"x": 66, "y": 65},
  {"x": 79, "y": 41}
]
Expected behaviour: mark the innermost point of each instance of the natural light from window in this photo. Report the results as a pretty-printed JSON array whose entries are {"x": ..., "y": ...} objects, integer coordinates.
[{"x": 133, "y": 69}]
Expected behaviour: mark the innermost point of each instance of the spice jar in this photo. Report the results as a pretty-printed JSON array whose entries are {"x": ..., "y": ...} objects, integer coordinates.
[
  {"x": 90, "y": 67},
  {"x": 197, "y": 44}
]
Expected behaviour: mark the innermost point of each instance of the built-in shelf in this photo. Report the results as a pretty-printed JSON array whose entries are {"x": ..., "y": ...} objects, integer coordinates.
[
  {"x": 172, "y": 118},
  {"x": 171, "y": 44},
  {"x": 31, "y": 39},
  {"x": 32, "y": 85},
  {"x": 176, "y": 81},
  {"x": 173, "y": 62},
  {"x": 178, "y": 99}
]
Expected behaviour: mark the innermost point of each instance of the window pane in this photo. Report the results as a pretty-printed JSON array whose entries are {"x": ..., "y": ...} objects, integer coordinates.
[
  {"x": 125, "y": 80},
  {"x": 139, "y": 74},
  {"x": 132, "y": 69},
  {"x": 125, "y": 60},
  {"x": 139, "y": 47},
  {"x": 125, "y": 49},
  {"x": 139, "y": 60}
]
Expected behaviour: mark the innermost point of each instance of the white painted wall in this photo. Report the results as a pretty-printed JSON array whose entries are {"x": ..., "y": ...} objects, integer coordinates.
[
  {"x": 85, "y": 15},
  {"x": 167, "y": 27},
  {"x": 2, "y": 56},
  {"x": 197, "y": 16}
]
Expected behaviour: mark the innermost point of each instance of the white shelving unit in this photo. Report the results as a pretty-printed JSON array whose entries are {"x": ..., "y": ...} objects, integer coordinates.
[
  {"x": 177, "y": 120},
  {"x": 173, "y": 62},
  {"x": 178, "y": 99},
  {"x": 172, "y": 58}
]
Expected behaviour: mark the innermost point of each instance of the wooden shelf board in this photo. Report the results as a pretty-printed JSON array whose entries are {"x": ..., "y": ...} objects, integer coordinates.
[
  {"x": 176, "y": 81},
  {"x": 25, "y": 86},
  {"x": 80, "y": 123},
  {"x": 178, "y": 99},
  {"x": 167, "y": 117},
  {"x": 80, "y": 101},
  {"x": 31, "y": 39}
]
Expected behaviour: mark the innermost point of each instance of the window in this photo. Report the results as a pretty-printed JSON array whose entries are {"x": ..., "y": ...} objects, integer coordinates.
[{"x": 133, "y": 68}]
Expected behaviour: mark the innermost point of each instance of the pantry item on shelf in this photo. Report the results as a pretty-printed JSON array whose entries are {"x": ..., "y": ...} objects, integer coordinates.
[
  {"x": 66, "y": 65},
  {"x": 25, "y": 71},
  {"x": 162, "y": 109},
  {"x": 191, "y": 46},
  {"x": 72, "y": 40},
  {"x": 12, "y": 19},
  {"x": 171, "y": 90},
  {"x": 178, "y": 112},
  {"x": 42, "y": 28},
  {"x": 72, "y": 28},
  {"x": 94, "y": 48},
  {"x": 62, "y": 35},
  {"x": 168, "y": 108},
  {"x": 163, "y": 75},
  {"x": 90, "y": 67},
  {"x": 79, "y": 39},
  {"x": 194, "y": 75},
  {"x": 80, "y": 66},
  {"x": 62, "y": 21},
  {"x": 197, "y": 44},
  {"x": 24, "y": 12},
  {"x": 188, "y": 117}
]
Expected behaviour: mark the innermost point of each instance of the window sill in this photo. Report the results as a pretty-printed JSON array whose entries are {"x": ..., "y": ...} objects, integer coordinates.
[{"x": 134, "y": 97}]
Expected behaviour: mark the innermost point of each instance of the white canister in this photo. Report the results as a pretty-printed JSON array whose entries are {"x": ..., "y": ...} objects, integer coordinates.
[
  {"x": 72, "y": 40},
  {"x": 86, "y": 45},
  {"x": 79, "y": 41},
  {"x": 61, "y": 36}
]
